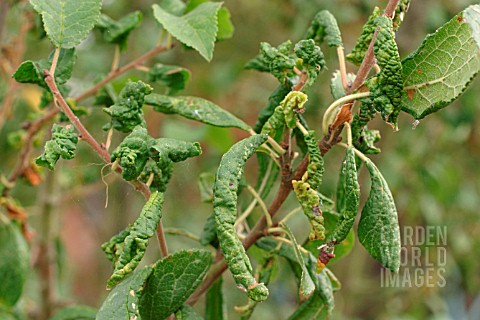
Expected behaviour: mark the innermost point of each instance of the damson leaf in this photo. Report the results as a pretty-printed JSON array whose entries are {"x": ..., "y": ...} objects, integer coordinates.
[
  {"x": 361, "y": 46},
  {"x": 336, "y": 86},
  {"x": 279, "y": 61},
  {"x": 378, "y": 229},
  {"x": 443, "y": 66},
  {"x": 293, "y": 103},
  {"x": 227, "y": 179},
  {"x": 225, "y": 26},
  {"x": 76, "y": 313},
  {"x": 196, "y": 109},
  {"x": 32, "y": 71},
  {"x": 187, "y": 312},
  {"x": 307, "y": 286},
  {"x": 122, "y": 302},
  {"x": 127, "y": 112},
  {"x": 128, "y": 248},
  {"x": 175, "y": 7},
  {"x": 132, "y": 153},
  {"x": 174, "y": 77},
  {"x": 63, "y": 144},
  {"x": 117, "y": 31},
  {"x": 67, "y": 22},
  {"x": 386, "y": 88},
  {"x": 14, "y": 263},
  {"x": 273, "y": 101},
  {"x": 400, "y": 11},
  {"x": 206, "y": 180},
  {"x": 315, "y": 167},
  {"x": 196, "y": 29},
  {"x": 172, "y": 281},
  {"x": 312, "y": 309},
  {"x": 215, "y": 308},
  {"x": 324, "y": 27},
  {"x": 348, "y": 204},
  {"x": 209, "y": 232},
  {"x": 311, "y": 59},
  {"x": 310, "y": 202}
]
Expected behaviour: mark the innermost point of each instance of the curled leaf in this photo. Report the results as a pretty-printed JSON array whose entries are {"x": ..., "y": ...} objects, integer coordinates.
[
  {"x": 348, "y": 204},
  {"x": 195, "y": 109},
  {"x": 400, "y": 11},
  {"x": 276, "y": 60},
  {"x": 273, "y": 101},
  {"x": 128, "y": 247},
  {"x": 63, "y": 144},
  {"x": 378, "y": 229},
  {"x": 174, "y": 77},
  {"x": 118, "y": 31},
  {"x": 310, "y": 202},
  {"x": 127, "y": 112},
  {"x": 227, "y": 180},
  {"x": 387, "y": 87},
  {"x": 361, "y": 46},
  {"x": 324, "y": 27},
  {"x": 133, "y": 153},
  {"x": 311, "y": 59},
  {"x": 315, "y": 166}
]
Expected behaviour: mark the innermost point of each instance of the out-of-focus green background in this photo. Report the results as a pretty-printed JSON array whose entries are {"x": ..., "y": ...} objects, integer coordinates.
[{"x": 433, "y": 170}]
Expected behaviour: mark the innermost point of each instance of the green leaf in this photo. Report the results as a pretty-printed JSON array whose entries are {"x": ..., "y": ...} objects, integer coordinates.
[
  {"x": 348, "y": 203},
  {"x": 133, "y": 153},
  {"x": 310, "y": 202},
  {"x": 195, "y": 109},
  {"x": 225, "y": 25},
  {"x": 378, "y": 229},
  {"x": 127, "y": 249},
  {"x": 324, "y": 27},
  {"x": 336, "y": 86},
  {"x": 175, "y": 7},
  {"x": 187, "y": 312},
  {"x": 215, "y": 308},
  {"x": 361, "y": 46},
  {"x": 127, "y": 112},
  {"x": 76, "y": 313},
  {"x": 443, "y": 66},
  {"x": 14, "y": 263},
  {"x": 293, "y": 104},
  {"x": 122, "y": 302},
  {"x": 279, "y": 61},
  {"x": 206, "y": 180},
  {"x": 315, "y": 166},
  {"x": 386, "y": 87},
  {"x": 273, "y": 101},
  {"x": 307, "y": 286},
  {"x": 6, "y": 315},
  {"x": 172, "y": 281},
  {"x": 32, "y": 71},
  {"x": 196, "y": 29},
  {"x": 312, "y": 309},
  {"x": 67, "y": 22},
  {"x": 227, "y": 180},
  {"x": 400, "y": 11},
  {"x": 63, "y": 144},
  {"x": 209, "y": 232},
  {"x": 118, "y": 31},
  {"x": 174, "y": 77}
]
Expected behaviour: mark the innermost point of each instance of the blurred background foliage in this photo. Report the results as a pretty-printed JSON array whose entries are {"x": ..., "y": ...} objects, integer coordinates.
[{"x": 433, "y": 170}]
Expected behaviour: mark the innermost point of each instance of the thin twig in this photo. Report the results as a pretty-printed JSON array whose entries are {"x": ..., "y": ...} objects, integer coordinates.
[
  {"x": 343, "y": 68},
  {"x": 261, "y": 203},
  {"x": 117, "y": 72}
]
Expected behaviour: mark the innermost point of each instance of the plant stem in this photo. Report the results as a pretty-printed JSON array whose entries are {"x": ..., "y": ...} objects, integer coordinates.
[
  {"x": 328, "y": 117},
  {"x": 261, "y": 203},
  {"x": 181, "y": 232},
  {"x": 56, "y": 54},
  {"x": 101, "y": 151},
  {"x": 343, "y": 68}
]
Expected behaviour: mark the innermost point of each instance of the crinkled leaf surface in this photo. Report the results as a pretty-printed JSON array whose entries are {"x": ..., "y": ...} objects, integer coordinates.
[
  {"x": 324, "y": 27},
  {"x": 122, "y": 302},
  {"x": 172, "y": 281},
  {"x": 361, "y": 46},
  {"x": 68, "y": 22},
  {"x": 197, "y": 29},
  {"x": 14, "y": 263},
  {"x": 127, "y": 249},
  {"x": 227, "y": 180},
  {"x": 32, "y": 71},
  {"x": 442, "y": 68},
  {"x": 75, "y": 313},
  {"x": 63, "y": 144},
  {"x": 196, "y": 109},
  {"x": 378, "y": 229},
  {"x": 350, "y": 197},
  {"x": 127, "y": 112},
  {"x": 279, "y": 61}
]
